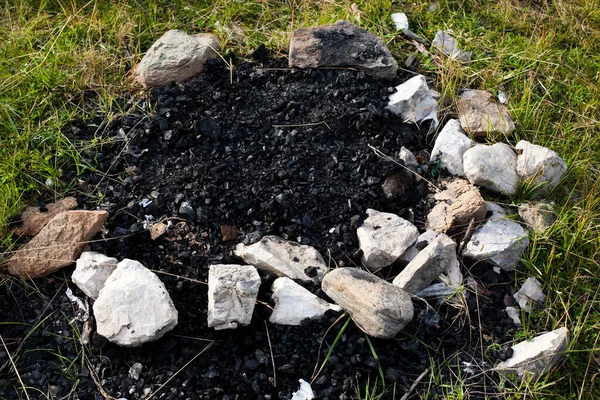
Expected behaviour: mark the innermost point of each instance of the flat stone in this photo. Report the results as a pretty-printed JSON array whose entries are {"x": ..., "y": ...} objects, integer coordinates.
[
  {"x": 284, "y": 258},
  {"x": 414, "y": 102},
  {"x": 293, "y": 303},
  {"x": 492, "y": 167},
  {"x": 533, "y": 358},
  {"x": 450, "y": 146},
  {"x": 458, "y": 204},
  {"x": 34, "y": 219},
  {"x": 422, "y": 241},
  {"x": 134, "y": 306},
  {"x": 540, "y": 165},
  {"x": 447, "y": 45},
  {"x": 378, "y": 308},
  {"x": 530, "y": 293},
  {"x": 383, "y": 237},
  {"x": 175, "y": 57},
  {"x": 92, "y": 271},
  {"x": 481, "y": 115},
  {"x": 341, "y": 45},
  {"x": 58, "y": 244},
  {"x": 538, "y": 215},
  {"x": 232, "y": 292}
]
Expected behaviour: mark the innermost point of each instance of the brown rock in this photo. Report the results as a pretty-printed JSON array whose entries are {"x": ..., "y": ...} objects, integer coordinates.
[
  {"x": 396, "y": 184},
  {"x": 460, "y": 203},
  {"x": 479, "y": 114},
  {"x": 58, "y": 244},
  {"x": 229, "y": 232},
  {"x": 34, "y": 219}
]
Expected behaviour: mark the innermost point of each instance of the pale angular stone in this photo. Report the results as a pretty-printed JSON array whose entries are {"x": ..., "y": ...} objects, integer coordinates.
[
  {"x": 533, "y": 358},
  {"x": 422, "y": 241},
  {"x": 383, "y": 237},
  {"x": 134, "y": 306},
  {"x": 414, "y": 101},
  {"x": 409, "y": 159},
  {"x": 449, "y": 147},
  {"x": 540, "y": 165},
  {"x": 480, "y": 114},
  {"x": 514, "y": 315},
  {"x": 493, "y": 167},
  {"x": 458, "y": 204},
  {"x": 284, "y": 258},
  {"x": 175, "y": 57},
  {"x": 446, "y": 44},
  {"x": 538, "y": 215},
  {"x": 530, "y": 292},
  {"x": 342, "y": 44},
  {"x": 34, "y": 219},
  {"x": 304, "y": 393},
  {"x": 378, "y": 308},
  {"x": 232, "y": 292},
  {"x": 401, "y": 21},
  {"x": 293, "y": 303},
  {"x": 92, "y": 271}
]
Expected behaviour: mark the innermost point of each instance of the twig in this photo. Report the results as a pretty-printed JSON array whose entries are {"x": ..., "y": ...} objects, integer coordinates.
[
  {"x": 96, "y": 382},
  {"x": 467, "y": 235},
  {"x": 15, "y": 368},
  {"x": 272, "y": 358},
  {"x": 415, "y": 383},
  {"x": 179, "y": 276},
  {"x": 300, "y": 125}
]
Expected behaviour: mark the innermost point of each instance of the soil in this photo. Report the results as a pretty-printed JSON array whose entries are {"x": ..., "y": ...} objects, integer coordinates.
[{"x": 228, "y": 157}]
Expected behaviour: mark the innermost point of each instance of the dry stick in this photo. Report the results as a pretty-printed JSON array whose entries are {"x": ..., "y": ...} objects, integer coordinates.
[
  {"x": 96, "y": 382},
  {"x": 415, "y": 383},
  {"x": 272, "y": 358},
  {"x": 14, "y": 367},
  {"x": 467, "y": 235},
  {"x": 179, "y": 276},
  {"x": 301, "y": 125}
]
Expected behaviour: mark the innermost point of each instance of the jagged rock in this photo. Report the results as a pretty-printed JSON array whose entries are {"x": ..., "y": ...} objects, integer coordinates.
[
  {"x": 378, "y": 308},
  {"x": 134, "y": 306},
  {"x": 92, "y": 271},
  {"x": 458, "y": 204},
  {"x": 342, "y": 44},
  {"x": 450, "y": 146},
  {"x": 514, "y": 315},
  {"x": 400, "y": 20},
  {"x": 58, "y": 244},
  {"x": 414, "y": 101},
  {"x": 422, "y": 241},
  {"x": 135, "y": 370},
  {"x": 34, "y": 219},
  {"x": 533, "y": 358},
  {"x": 480, "y": 114},
  {"x": 540, "y": 165},
  {"x": 530, "y": 292},
  {"x": 428, "y": 265},
  {"x": 493, "y": 167},
  {"x": 232, "y": 292},
  {"x": 284, "y": 258},
  {"x": 538, "y": 215},
  {"x": 293, "y": 303},
  {"x": 383, "y": 237},
  {"x": 447, "y": 45},
  {"x": 409, "y": 159},
  {"x": 175, "y": 57}
]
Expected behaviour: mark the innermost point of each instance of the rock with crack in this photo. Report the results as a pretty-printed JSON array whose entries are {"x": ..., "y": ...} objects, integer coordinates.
[
  {"x": 458, "y": 204},
  {"x": 447, "y": 45},
  {"x": 92, "y": 271},
  {"x": 232, "y": 292},
  {"x": 378, "y": 308},
  {"x": 284, "y": 258},
  {"x": 134, "y": 306},
  {"x": 480, "y": 114},
  {"x": 58, "y": 244},
  {"x": 342, "y": 44},
  {"x": 293, "y": 303},
  {"x": 530, "y": 293},
  {"x": 429, "y": 264},
  {"x": 35, "y": 218},
  {"x": 414, "y": 101},
  {"x": 175, "y": 57},
  {"x": 383, "y": 237},
  {"x": 538, "y": 215},
  {"x": 539, "y": 165},
  {"x": 493, "y": 167},
  {"x": 422, "y": 241},
  {"x": 450, "y": 146},
  {"x": 533, "y": 358}
]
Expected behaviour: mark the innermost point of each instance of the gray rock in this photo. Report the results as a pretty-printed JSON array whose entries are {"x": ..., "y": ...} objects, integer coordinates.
[
  {"x": 186, "y": 209},
  {"x": 514, "y": 315},
  {"x": 378, "y": 308},
  {"x": 480, "y": 114},
  {"x": 293, "y": 303},
  {"x": 342, "y": 44},
  {"x": 450, "y": 146},
  {"x": 533, "y": 358},
  {"x": 232, "y": 292},
  {"x": 422, "y": 241},
  {"x": 493, "y": 167},
  {"x": 414, "y": 101},
  {"x": 447, "y": 45},
  {"x": 530, "y": 292},
  {"x": 540, "y": 165},
  {"x": 284, "y": 258},
  {"x": 458, "y": 204},
  {"x": 383, "y": 237},
  {"x": 134, "y": 306},
  {"x": 538, "y": 215},
  {"x": 135, "y": 370},
  {"x": 409, "y": 159},
  {"x": 175, "y": 57},
  {"x": 92, "y": 271}
]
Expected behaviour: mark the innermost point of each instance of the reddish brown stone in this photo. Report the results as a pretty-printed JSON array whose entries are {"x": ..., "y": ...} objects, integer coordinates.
[
  {"x": 229, "y": 232},
  {"x": 34, "y": 219}
]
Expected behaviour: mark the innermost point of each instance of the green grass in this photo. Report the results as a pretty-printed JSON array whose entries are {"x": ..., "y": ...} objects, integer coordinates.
[{"x": 545, "y": 53}]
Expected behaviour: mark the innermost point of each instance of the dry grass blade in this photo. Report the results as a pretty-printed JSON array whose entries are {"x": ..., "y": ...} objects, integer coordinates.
[
  {"x": 272, "y": 358},
  {"x": 415, "y": 383},
  {"x": 14, "y": 368}
]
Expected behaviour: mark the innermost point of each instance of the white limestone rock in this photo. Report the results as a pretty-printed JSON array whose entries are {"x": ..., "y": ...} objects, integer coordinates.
[
  {"x": 232, "y": 292},
  {"x": 293, "y": 303},
  {"x": 422, "y": 241},
  {"x": 533, "y": 358},
  {"x": 284, "y": 258},
  {"x": 383, "y": 237},
  {"x": 514, "y": 315},
  {"x": 401, "y": 21},
  {"x": 450, "y": 146},
  {"x": 92, "y": 271},
  {"x": 496, "y": 210},
  {"x": 409, "y": 159},
  {"x": 531, "y": 292},
  {"x": 414, "y": 101},
  {"x": 493, "y": 167},
  {"x": 134, "y": 306},
  {"x": 446, "y": 44},
  {"x": 304, "y": 393},
  {"x": 539, "y": 164}
]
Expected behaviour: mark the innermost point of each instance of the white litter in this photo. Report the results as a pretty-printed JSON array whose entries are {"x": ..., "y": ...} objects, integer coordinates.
[{"x": 304, "y": 393}]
